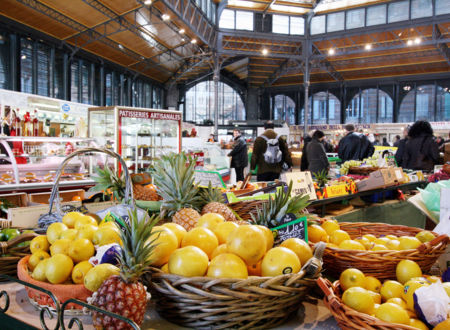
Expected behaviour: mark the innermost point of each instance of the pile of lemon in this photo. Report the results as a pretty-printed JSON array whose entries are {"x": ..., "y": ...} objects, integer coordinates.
[
  {"x": 391, "y": 301},
  {"x": 62, "y": 255},
  {"x": 331, "y": 233},
  {"x": 220, "y": 249}
]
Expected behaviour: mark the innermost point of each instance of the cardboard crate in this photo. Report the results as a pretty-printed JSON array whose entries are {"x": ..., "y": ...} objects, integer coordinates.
[
  {"x": 66, "y": 195},
  {"x": 96, "y": 207},
  {"x": 19, "y": 199},
  {"x": 27, "y": 217},
  {"x": 374, "y": 181}
]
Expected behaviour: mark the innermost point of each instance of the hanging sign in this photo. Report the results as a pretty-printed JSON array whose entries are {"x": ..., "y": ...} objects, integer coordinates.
[
  {"x": 302, "y": 183},
  {"x": 291, "y": 227},
  {"x": 203, "y": 178}
]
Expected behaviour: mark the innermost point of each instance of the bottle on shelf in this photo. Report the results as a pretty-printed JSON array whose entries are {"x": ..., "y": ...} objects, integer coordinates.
[
  {"x": 17, "y": 124},
  {"x": 35, "y": 124},
  {"x": 28, "y": 125}
]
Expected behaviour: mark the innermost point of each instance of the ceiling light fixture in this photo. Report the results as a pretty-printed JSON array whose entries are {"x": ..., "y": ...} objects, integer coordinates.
[
  {"x": 193, "y": 41},
  {"x": 165, "y": 17},
  {"x": 182, "y": 31},
  {"x": 409, "y": 42},
  {"x": 147, "y": 2},
  {"x": 417, "y": 41},
  {"x": 23, "y": 57},
  {"x": 183, "y": 40},
  {"x": 265, "y": 51},
  {"x": 120, "y": 46},
  {"x": 331, "y": 51},
  {"x": 368, "y": 47}
]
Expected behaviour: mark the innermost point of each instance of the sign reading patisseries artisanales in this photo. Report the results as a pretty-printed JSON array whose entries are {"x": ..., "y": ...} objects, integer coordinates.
[{"x": 150, "y": 115}]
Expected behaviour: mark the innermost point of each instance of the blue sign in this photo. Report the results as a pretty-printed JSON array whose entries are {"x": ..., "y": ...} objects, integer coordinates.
[{"x": 65, "y": 107}]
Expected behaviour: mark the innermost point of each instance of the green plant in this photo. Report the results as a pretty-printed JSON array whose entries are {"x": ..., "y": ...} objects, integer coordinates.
[
  {"x": 321, "y": 178},
  {"x": 107, "y": 179}
]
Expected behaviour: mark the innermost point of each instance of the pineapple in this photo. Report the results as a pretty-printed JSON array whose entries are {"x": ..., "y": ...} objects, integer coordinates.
[
  {"x": 107, "y": 179},
  {"x": 214, "y": 203},
  {"x": 321, "y": 178},
  {"x": 276, "y": 208},
  {"x": 174, "y": 179},
  {"x": 124, "y": 294},
  {"x": 145, "y": 193}
]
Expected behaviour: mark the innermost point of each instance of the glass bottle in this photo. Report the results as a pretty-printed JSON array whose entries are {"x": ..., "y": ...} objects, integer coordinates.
[
  {"x": 28, "y": 125},
  {"x": 35, "y": 124},
  {"x": 17, "y": 124}
]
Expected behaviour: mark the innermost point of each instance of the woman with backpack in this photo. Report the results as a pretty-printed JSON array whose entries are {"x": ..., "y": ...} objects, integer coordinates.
[
  {"x": 317, "y": 158},
  {"x": 270, "y": 154},
  {"x": 421, "y": 150}
]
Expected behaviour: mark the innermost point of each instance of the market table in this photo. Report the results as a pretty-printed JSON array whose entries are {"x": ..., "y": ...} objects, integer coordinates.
[
  {"x": 404, "y": 187},
  {"x": 312, "y": 314}
]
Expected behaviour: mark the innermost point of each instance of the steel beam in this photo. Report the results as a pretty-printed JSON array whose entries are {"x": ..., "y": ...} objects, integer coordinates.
[
  {"x": 442, "y": 47},
  {"x": 257, "y": 53},
  {"x": 278, "y": 73},
  {"x": 186, "y": 67}
]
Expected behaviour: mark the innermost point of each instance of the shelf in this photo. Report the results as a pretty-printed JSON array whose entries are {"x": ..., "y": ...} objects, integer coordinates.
[
  {"x": 44, "y": 139},
  {"x": 46, "y": 185}
]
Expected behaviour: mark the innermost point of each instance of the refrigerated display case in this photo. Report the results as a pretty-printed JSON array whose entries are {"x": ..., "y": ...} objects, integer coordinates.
[
  {"x": 139, "y": 135},
  {"x": 30, "y": 163}
]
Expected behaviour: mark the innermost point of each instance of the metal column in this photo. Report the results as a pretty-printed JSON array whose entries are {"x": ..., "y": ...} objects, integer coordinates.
[
  {"x": 216, "y": 78},
  {"x": 306, "y": 106}
]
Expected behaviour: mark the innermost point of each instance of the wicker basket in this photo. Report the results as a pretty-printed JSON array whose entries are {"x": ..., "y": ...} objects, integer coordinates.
[
  {"x": 244, "y": 209},
  {"x": 256, "y": 302},
  {"x": 381, "y": 264},
  {"x": 8, "y": 265},
  {"x": 348, "y": 318}
]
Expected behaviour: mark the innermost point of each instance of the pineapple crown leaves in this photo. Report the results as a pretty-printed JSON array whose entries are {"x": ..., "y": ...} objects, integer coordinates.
[
  {"x": 210, "y": 194},
  {"x": 135, "y": 255},
  {"x": 174, "y": 179},
  {"x": 107, "y": 179},
  {"x": 321, "y": 177},
  {"x": 271, "y": 213}
]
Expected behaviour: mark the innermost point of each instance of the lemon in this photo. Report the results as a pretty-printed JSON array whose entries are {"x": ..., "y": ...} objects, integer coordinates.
[
  {"x": 408, "y": 291},
  {"x": 364, "y": 241},
  {"x": 392, "y": 313},
  {"x": 80, "y": 270},
  {"x": 165, "y": 242},
  {"x": 39, "y": 272},
  {"x": 268, "y": 234},
  {"x": 330, "y": 226},
  {"x": 165, "y": 267},
  {"x": 415, "y": 323},
  {"x": 70, "y": 218},
  {"x": 95, "y": 276},
  {"x": 391, "y": 289},
  {"x": 317, "y": 234},
  {"x": 85, "y": 220},
  {"x": 359, "y": 299},
  {"x": 378, "y": 247},
  {"x": 338, "y": 236},
  {"x": 351, "y": 245},
  {"x": 179, "y": 231},
  {"x": 86, "y": 231},
  {"x": 446, "y": 286},
  {"x": 61, "y": 246},
  {"x": 370, "y": 237},
  {"x": 351, "y": 277},
  {"x": 375, "y": 307},
  {"x": 39, "y": 243},
  {"x": 398, "y": 301},
  {"x": 375, "y": 296},
  {"x": 382, "y": 241},
  {"x": 81, "y": 249},
  {"x": 393, "y": 244},
  {"x": 372, "y": 284},
  {"x": 408, "y": 243},
  {"x": 425, "y": 236},
  {"x": 106, "y": 235},
  {"x": 110, "y": 224},
  {"x": 69, "y": 234},
  {"x": 210, "y": 220},
  {"x": 407, "y": 269},
  {"x": 58, "y": 268},
  {"x": 331, "y": 245},
  {"x": 36, "y": 258},
  {"x": 300, "y": 247},
  {"x": 444, "y": 325},
  {"x": 222, "y": 248},
  {"x": 391, "y": 237},
  {"x": 54, "y": 231}
]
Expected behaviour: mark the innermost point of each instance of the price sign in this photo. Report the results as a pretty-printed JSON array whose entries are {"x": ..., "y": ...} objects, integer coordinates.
[
  {"x": 302, "y": 183},
  {"x": 291, "y": 228},
  {"x": 203, "y": 178},
  {"x": 336, "y": 190}
]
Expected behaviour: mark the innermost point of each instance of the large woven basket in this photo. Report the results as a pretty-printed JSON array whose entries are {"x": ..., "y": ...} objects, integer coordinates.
[
  {"x": 245, "y": 209},
  {"x": 253, "y": 303},
  {"x": 348, "y": 318},
  {"x": 381, "y": 264},
  {"x": 14, "y": 252}
]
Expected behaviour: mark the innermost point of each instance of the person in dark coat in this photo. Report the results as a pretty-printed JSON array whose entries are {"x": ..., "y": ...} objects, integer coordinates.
[
  {"x": 401, "y": 147},
  {"x": 397, "y": 140},
  {"x": 385, "y": 142},
  {"x": 317, "y": 158},
  {"x": 421, "y": 150},
  {"x": 269, "y": 172},
  {"x": 354, "y": 146},
  {"x": 304, "y": 160},
  {"x": 327, "y": 145},
  {"x": 239, "y": 156}
]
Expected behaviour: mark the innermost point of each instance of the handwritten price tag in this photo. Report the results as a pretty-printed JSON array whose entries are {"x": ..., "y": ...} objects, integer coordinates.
[{"x": 292, "y": 229}]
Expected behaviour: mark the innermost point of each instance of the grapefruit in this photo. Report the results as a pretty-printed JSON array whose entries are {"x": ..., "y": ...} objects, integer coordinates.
[
  {"x": 279, "y": 261},
  {"x": 300, "y": 247},
  {"x": 188, "y": 261},
  {"x": 227, "y": 265},
  {"x": 202, "y": 238},
  {"x": 247, "y": 242}
]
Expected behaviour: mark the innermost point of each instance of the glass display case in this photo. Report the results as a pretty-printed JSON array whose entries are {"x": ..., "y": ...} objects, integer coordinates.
[
  {"x": 140, "y": 136},
  {"x": 28, "y": 163}
]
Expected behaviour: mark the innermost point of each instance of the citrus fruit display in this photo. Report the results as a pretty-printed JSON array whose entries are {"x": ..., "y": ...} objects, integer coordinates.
[
  {"x": 359, "y": 299},
  {"x": 280, "y": 261},
  {"x": 392, "y": 313},
  {"x": 227, "y": 265},
  {"x": 352, "y": 277},
  {"x": 202, "y": 238},
  {"x": 188, "y": 261},
  {"x": 247, "y": 242},
  {"x": 165, "y": 243}
]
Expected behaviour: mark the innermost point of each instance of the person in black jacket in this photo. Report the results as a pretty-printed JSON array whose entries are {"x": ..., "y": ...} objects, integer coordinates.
[
  {"x": 421, "y": 150},
  {"x": 304, "y": 160},
  {"x": 354, "y": 146},
  {"x": 239, "y": 156},
  {"x": 401, "y": 147},
  {"x": 317, "y": 158}
]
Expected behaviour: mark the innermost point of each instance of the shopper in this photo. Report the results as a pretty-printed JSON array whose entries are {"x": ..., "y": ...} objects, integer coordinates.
[
  {"x": 270, "y": 154},
  {"x": 397, "y": 140},
  {"x": 317, "y": 158},
  {"x": 421, "y": 151},
  {"x": 239, "y": 155},
  {"x": 211, "y": 138},
  {"x": 354, "y": 146},
  {"x": 401, "y": 147},
  {"x": 329, "y": 148},
  {"x": 304, "y": 160},
  {"x": 385, "y": 142},
  {"x": 445, "y": 148}
]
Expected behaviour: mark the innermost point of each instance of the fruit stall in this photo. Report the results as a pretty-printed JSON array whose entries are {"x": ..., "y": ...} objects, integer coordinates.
[{"x": 178, "y": 256}]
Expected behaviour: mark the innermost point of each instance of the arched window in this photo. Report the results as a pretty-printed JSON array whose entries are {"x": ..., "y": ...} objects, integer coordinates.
[
  {"x": 370, "y": 106},
  {"x": 418, "y": 104},
  {"x": 324, "y": 108},
  {"x": 284, "y": 109},
  {"x": 200, "y": 103},
  {"x": 443, "y": 103}
]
